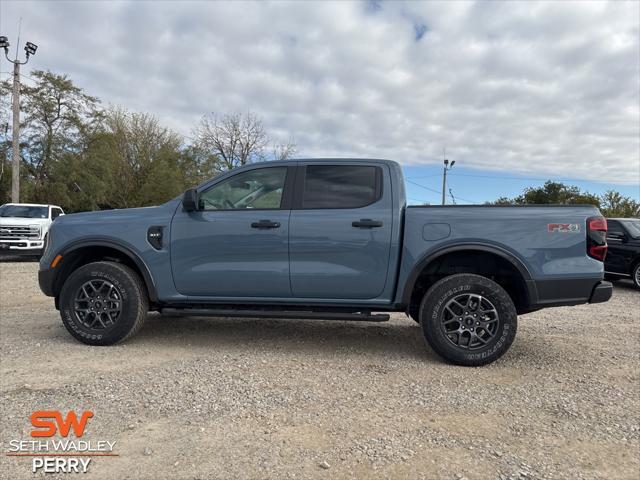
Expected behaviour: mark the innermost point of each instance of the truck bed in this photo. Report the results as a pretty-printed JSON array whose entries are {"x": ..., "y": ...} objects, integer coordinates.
[{"x": 547, "y": 243}]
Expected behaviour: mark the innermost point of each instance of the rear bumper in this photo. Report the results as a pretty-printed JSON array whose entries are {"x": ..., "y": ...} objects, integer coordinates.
[
  {"x": 571, "y": 291},
  {"x": 601, "y": 292}
]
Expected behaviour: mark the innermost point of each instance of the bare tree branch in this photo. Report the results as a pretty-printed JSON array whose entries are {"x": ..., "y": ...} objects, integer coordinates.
[
  {"x": 284, "y": 151},
  {"x": 235, "y": 139}
]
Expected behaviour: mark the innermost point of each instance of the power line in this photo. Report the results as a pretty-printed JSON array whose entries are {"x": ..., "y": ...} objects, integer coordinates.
[
  {"x": 422, "y": 186},
  {"x": 426, "y": 176},
  {"x": 458, "y": 197}
]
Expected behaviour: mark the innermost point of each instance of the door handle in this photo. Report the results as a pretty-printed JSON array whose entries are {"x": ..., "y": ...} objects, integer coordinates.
[
  {"x": 366, "y": 223},
  {"x": 265, "y": 224}
]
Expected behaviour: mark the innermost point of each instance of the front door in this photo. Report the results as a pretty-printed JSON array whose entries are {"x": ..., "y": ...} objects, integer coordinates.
[
  {"x": 236, "y": 244},
  {"x": 340, "y": 231}
]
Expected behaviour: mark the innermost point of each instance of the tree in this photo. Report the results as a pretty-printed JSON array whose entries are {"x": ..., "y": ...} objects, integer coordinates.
[
  {"x": 82, "y": 157},
  {"x": 144, "y": 158},
  {"x": 614, "y": 204},
  {"x": 284, "y": 151},
  {"x": 611, "y": 204},
  {"x": 56, "y": 115},
  {"x": 551, "y": 193},
  {"x": 236, "y": 140},
  {"x": 557, "y": 193}
]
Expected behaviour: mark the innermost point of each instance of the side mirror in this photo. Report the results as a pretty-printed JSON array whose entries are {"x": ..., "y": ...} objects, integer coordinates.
[{"x": 190, "y": 200}]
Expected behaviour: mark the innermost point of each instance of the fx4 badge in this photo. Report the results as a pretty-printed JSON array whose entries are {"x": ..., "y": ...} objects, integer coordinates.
[{"x": 563, "y": 227}]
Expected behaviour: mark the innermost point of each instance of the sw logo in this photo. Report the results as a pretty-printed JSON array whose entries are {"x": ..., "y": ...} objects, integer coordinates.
[
  {"x": 563, "y": 227},
  {"x": 57, "y": 445},
  {"x": 48, "y": 428},
  {"x": 47, "y": 423}
]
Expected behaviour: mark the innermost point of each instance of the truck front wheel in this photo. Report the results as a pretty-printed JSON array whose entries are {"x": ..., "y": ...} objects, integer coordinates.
[
  {"x": 468, "y": 319},
  {"x": 103, "y": 303}
]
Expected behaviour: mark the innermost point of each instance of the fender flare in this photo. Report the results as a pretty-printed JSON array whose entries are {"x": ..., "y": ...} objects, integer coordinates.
[
  {"x": 421, "y": 264},
  {"x": 134, "y": 257}
]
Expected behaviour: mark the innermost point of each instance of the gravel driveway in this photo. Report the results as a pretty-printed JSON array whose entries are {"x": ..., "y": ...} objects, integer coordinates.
[{"x": 234, "y": 398}]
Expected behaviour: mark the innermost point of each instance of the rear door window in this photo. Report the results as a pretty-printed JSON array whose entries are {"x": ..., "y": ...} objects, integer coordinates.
[
  {"x": 341, "y": 186},
  {"x": 615, "y": 231}
]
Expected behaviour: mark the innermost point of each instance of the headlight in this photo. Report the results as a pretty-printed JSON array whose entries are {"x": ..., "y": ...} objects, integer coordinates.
[{"x": 35, "y": 228}]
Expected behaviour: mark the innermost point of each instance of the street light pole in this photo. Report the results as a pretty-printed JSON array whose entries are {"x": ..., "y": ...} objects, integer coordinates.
[
  {"x": 30, "y": 49},
  {"x": 15, "y": 169},
  {"x": 447, "y": 167}
]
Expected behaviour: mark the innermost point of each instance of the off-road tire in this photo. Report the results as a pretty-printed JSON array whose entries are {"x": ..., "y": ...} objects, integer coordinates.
[
  {"x": 432, "y": 315},
  {"x": 134, "y": 303}
]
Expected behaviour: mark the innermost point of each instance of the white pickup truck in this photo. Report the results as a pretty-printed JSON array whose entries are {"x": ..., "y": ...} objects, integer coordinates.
[{"x": 24, "y": 227}]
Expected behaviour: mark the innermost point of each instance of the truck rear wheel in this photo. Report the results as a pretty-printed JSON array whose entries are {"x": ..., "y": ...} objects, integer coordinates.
[
  {"x": 103, "y": 303},
  {"x": 468, "y": 319},
  {"x": 635, "y": 275}
]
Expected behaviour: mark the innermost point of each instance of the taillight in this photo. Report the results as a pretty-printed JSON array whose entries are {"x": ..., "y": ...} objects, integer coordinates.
[
  {"x": 597, "y": 238},
  {"x": 597, "y": 223}
]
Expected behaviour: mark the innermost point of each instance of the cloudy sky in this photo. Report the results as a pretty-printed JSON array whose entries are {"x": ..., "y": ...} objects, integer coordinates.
[{"x": 547, "y": 90}]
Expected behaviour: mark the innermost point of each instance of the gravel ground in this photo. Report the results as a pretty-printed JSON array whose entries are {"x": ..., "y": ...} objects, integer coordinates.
[{"x": 234, "y": 398}]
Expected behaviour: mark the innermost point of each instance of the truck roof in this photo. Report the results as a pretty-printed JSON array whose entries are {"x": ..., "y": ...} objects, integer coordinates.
[
  {"x": 34, "y": 205},
  {"x": 325, "y": 159}
]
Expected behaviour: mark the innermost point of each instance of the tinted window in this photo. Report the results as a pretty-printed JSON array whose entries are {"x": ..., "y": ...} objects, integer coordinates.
[
  {"x": 55, "y": 213},
  {"x": 633, "y": 227},
  {"x": 341, "y": 186},
  {"x": 614, "y": 227},
  {"x": 24, "y": 211},
  {"x": 260, "y": 188},
  {"x": 614, "y": 231}
]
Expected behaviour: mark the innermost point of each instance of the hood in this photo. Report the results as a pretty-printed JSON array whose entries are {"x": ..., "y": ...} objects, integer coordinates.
[
  {"x": 23, "y": 221},
  {"x": 116, "y": 216}
]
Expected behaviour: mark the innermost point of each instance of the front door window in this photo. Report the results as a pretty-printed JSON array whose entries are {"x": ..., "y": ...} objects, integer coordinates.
[{"x": 256, "y": 189}]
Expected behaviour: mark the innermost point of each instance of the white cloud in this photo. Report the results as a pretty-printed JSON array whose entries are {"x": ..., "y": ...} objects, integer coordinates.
[{"x": 551, "y": 88}]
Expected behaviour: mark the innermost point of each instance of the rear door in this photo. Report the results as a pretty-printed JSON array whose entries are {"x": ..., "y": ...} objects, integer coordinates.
[
  {"x": 340, "y": 230},
  {"x": 616, "y": 237}
]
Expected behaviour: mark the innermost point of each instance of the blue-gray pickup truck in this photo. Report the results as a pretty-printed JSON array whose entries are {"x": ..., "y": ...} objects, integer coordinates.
[{"x": 326, "y": 239}]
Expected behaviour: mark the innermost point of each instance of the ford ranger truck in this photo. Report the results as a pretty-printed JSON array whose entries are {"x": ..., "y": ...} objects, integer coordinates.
[
  {"x": 325, "y": 239},
  {"x": 24, "y": 227}
]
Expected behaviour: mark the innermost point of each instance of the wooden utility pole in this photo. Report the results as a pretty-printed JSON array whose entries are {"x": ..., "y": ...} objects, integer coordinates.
[{"x": 15, "y": 169}]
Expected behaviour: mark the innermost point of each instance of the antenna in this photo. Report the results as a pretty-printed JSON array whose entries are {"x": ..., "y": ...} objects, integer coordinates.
[{"x": 19, "y": 31}]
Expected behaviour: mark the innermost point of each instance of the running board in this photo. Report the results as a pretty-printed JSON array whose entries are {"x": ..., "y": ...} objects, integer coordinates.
[{"x": 287, "y": 314}]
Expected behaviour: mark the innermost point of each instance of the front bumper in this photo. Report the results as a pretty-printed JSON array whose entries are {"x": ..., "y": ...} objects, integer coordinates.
[
  {"x": 18, "y": 246},
  {"x": 46, "y": 280},
  {"x": 601, "y": 292}
]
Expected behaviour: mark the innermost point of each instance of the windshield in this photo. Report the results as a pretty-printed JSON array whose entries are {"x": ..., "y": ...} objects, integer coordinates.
[
  {"x": 632, "y": 226},
  {"x": 24, "y": 211}
]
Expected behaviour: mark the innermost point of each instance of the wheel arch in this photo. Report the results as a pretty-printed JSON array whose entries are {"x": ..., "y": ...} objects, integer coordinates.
[
  {"x": 86, "y": 251},
  {"x": 527, "y": 283}
]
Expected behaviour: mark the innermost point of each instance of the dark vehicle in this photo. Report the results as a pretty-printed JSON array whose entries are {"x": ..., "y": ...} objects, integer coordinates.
[
  {"x": 325, "y": 239},
  {"x": 623, "y": 256}
]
